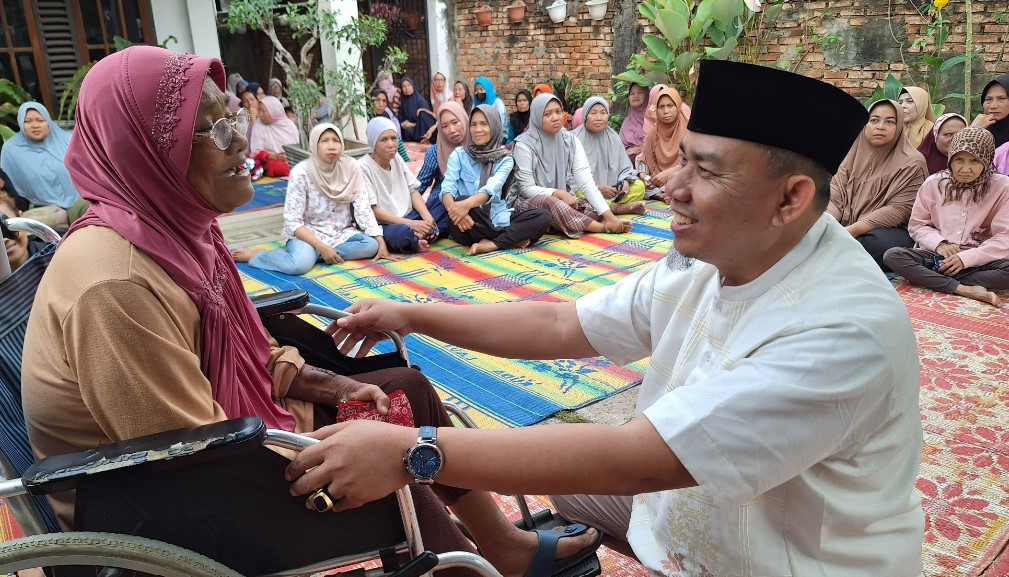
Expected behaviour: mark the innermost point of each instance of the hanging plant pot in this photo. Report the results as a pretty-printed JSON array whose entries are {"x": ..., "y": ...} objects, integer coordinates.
[
  {"x": 483, "y": 15},
  {"x": 516, "y": 11},
  {"x": 558, "y": 11},
  {"x": 597, "y": 8}
]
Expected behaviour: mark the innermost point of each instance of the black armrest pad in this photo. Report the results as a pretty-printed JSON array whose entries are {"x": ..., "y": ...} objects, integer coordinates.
[
  {"x": 159, "y": 451},
  {"x": 280, "y": 302}
]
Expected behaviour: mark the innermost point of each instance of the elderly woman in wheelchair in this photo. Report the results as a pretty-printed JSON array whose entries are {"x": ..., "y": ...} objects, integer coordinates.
[{"x": 141, "y": 325}]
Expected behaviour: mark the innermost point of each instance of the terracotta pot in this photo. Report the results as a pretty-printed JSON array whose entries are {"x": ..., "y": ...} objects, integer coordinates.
[
  {"x": 483, "y": 15},
  {"x": 516, "y": 11}
]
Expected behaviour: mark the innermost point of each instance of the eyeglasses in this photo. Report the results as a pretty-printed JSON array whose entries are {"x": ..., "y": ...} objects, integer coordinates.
[{"x": 223, "y": 128}]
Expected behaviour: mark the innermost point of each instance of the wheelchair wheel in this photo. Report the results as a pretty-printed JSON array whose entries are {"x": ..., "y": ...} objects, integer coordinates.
[{"x": 107, "y": 550}]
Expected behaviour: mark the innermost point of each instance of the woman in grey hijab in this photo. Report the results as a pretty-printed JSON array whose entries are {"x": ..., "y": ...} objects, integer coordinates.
[
  {"x": 611, "y": 168},
  {"x": 550, "y": 165}
]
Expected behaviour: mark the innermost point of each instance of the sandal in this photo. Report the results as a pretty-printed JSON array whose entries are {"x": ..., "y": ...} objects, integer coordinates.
[{"x": 584, "y": 563}]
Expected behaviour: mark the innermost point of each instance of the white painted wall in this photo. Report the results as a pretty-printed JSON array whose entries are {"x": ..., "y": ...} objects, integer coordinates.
[
  {"x": 331, "y": 58},
  {"x": 442, "y": 60},
  {"x": 193, "y": 23}
]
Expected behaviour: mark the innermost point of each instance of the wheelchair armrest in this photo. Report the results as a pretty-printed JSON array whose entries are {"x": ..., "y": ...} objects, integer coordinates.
[
  {"x": 280, "y": 302},
  {"x": 159, "y": 451}
]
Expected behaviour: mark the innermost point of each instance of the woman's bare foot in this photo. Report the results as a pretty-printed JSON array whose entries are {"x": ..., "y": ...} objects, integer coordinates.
[
  {"x": 423, "y": 246},
  {"x": 615, "y": 225},
  {"x": 522, "y": 244},
  {"x": 245, "y": 254},
  {"x": 978, "y": 293},
  {"x": 482, "y": 247},
  {"x": 512, "y": 559},
  {"x": 632, "y": 208}
]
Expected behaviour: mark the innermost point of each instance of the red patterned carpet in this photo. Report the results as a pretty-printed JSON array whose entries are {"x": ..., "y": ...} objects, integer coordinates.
[{"x": 964, "y": 349}]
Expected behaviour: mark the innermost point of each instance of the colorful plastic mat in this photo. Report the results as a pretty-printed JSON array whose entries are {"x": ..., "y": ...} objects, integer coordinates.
[{"x": 267, "y": 192}]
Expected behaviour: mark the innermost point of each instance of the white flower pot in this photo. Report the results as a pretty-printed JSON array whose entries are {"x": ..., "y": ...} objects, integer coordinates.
[
  {"x": 597, "y": 8},
  {"x": 558, "y": 11}
]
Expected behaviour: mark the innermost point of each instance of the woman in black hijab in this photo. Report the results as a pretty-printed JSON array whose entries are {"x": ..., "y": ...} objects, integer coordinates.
[
  {"x": 519, "y": 120},
  {"x": 995, "y": 100}
]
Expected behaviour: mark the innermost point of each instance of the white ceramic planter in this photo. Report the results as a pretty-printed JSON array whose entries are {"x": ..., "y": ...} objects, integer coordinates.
[
  {"x": 558, "y": 11},
  {"x": 597, "y": 8}
]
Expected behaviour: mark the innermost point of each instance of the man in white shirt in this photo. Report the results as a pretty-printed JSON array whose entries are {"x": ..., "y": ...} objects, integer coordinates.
[{"x": 777, "y": 431}]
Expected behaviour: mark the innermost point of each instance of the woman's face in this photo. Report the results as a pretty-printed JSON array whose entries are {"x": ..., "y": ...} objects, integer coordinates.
[
  {"x": 965, "y": 167},
  {"x": 996, "y": 101},
  {"x": 636, "y": 97},
  {"x": 36, "y": 128},
  {"x": 275, "y": 90},
  {"x": 450, "y": 127},
  {"x": 478, "y": 89},
  {"x": 385, "y": 148},
  {"x": 946, "y": 133},
  {"x": 330, "y": 147},
  {"x": 459, "y": 91},
  {"x": 479, "y": 128},
  {"x": 260, "y": 93},
  {"x": 249, "y": 101},
  {"x": 665, "y": 110},
  {"x": 264, "y": 114},
  {"x": 910, "y": 109},
  {"x": 17, "y": 250},
  {"x": 439, "y": 82},
  {"x": 218, "y": 175},
  {"x": 597, "y": 118},
  {"x": 380, "y": 103},
  {"x": 553, "y": 117},
  {"x": 882, "y": 126},
  {"x": 522, "y": 103},
  {"x": 407, "y": 88}
]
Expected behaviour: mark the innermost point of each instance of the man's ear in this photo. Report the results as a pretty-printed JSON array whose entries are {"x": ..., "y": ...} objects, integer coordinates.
[{"x": 798, "y": 193}]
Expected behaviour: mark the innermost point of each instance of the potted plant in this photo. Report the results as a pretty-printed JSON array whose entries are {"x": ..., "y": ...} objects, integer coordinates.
[
  {"x": 483, "y": 15},
  {"x": 558, "y": 11},
  {"x": 597, "y": 8},
  {"x": 516, "y": 11}
]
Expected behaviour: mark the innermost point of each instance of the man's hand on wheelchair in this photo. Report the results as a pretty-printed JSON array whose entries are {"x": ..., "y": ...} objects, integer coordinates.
[
  {"x": 365, "y": 325},
  {"x": 357, "y": 462}
]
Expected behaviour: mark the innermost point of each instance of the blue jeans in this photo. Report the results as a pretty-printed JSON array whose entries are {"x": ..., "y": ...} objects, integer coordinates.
[
  {"x": 300, "y": 256},
  {"x": 400, "y": 238}
]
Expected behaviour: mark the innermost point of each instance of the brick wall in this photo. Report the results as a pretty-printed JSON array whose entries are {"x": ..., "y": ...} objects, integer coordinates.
[{"x": 869, "y": 39}]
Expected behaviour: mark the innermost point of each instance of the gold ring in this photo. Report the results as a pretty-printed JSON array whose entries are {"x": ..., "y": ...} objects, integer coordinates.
[{"x": 321, "y": 500}]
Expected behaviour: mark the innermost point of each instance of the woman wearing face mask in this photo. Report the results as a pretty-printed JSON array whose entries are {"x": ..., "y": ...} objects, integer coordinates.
[
  {"x": 960, "y": 224},
  {"x": 484, "y": 93},
  {"x": 547, "y": 158},
  {"x": 935, "y": 146},
  {"x": 474, "y": 192},
  {"x": 874, "y": 188}
]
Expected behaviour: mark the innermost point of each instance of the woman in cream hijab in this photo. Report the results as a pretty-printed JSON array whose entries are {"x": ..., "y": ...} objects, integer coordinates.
[
  {"x": 916, "y": 105},
  {"x": 327, "y": 215}
]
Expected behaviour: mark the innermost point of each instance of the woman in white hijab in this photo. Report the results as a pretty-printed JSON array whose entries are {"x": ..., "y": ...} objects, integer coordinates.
[
  {"x": 549, "y": 162},
  {"x": 327, "y": 213}
]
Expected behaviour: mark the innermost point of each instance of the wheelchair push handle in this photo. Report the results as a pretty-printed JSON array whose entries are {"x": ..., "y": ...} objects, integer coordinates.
[{"x": 9, "y": 228}]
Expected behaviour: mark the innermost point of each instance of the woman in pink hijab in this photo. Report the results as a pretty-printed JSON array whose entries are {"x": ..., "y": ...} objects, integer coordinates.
[
  {"x": 268, "y": 136},
  {"x": 141, "y": 324}
]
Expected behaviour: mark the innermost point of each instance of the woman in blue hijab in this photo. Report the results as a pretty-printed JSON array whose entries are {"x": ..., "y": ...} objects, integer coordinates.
[
  {"x": 484, "y": 93},
  {"x": 416, "y": 118},
  {"x": 33, "y": 160}
]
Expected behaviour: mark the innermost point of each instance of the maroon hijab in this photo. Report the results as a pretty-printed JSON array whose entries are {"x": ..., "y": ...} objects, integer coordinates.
[{"x": 128, "y": 157}]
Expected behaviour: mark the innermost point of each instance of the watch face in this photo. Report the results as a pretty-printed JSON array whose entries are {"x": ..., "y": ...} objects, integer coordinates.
[{"x": 425, "y": 461}]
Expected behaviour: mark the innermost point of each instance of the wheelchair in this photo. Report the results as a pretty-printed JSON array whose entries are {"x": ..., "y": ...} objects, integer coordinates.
[{"x": 183, "y": 503}]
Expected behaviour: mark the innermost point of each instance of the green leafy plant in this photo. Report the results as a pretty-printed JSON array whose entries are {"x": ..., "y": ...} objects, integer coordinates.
[
  {"x": 890, "y": 90},
  {"x": 12, "y": 97},
  {"x": 347, "y": 84},
  {"x": 689, "y": 30},
  {"x": 572, "y": 94},
  {"x": 934, "y": 64}
]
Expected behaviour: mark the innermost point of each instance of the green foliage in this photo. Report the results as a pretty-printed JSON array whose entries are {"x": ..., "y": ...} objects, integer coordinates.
[
  {"x": 691, "y": 30},
  {"x": 68, "y": 102},
  {"x": 890, "y": 90},
  {"x": 616, "y": 120},
  {"x": 12, "y": 97},
  {"x": 934, "y": 64},
  {"x": 572, "y": 94}
]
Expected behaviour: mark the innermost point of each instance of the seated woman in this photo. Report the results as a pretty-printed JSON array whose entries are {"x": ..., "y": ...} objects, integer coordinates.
[
  {"x": 660, "y": 154},
  {"x": 874, "y": 188},
  {"x": 484, "y": 93},
  {"x": 473, "y": 192},
  {"x": 33, "y": 160},
  {"x": 268, "y": 136},
  {"x": 20, "y": 250},
  {"x": 276, "y": 89},
  {"x": 460, "y": 94},
  {"x": 995, "y": 102},
  {"x": 142, "y": 325},
  {"x": 611, "y": 168},
  {"x": 416, "y": 118},
  {"x": 547, "y": 158},
  {"x": 916, "y": 106},
  {"x": 256, "y": 90},
  {"x": 960, "y": 225},
  {"x": 408, "y": 223},
  {"x": 632, "y": 131},
  {"x": 384, "y": 81},
  {"x": 440, "y": 92},
  {"x": 935, "y": 146},
  {"x": 327, "y": 214},
  {"x": 518, "y": 121},
  {"x": 380, "y": 107},
  {"x": 452, "y": 124}
]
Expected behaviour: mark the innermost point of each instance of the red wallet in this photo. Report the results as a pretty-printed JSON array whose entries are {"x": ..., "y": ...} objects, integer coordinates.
[{"x": 399, "y": 413}]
